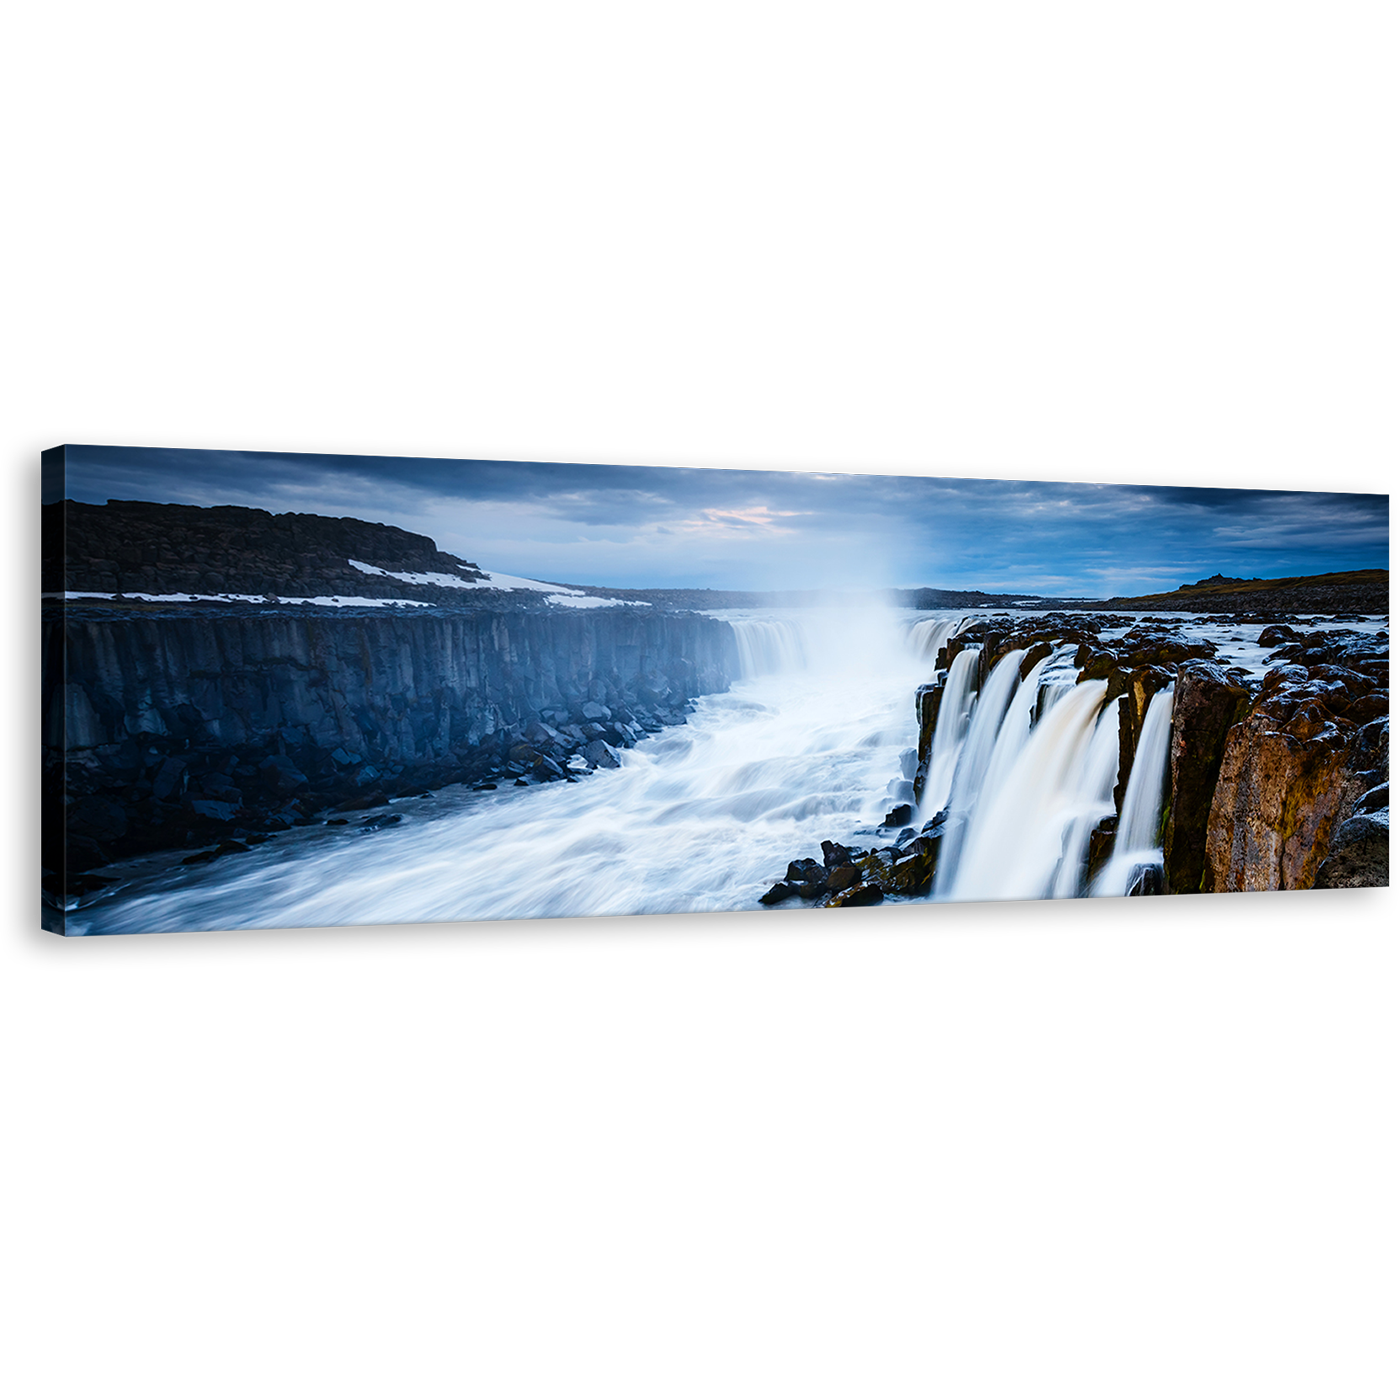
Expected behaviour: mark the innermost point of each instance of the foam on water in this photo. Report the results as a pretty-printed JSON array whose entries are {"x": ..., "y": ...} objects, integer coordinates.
[{"x": 702, "y": 816}]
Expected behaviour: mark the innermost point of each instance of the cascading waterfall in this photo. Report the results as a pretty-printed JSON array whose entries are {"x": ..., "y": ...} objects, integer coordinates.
[
  {"x": 1096, "y": 792},
  {"x": 1139, "y": 827},
  {"x": 1015, "y": 728},
  {"x": 1015, "y": 840},
  {"x": 975, "y": 754},
  {"x": 954, "y": 712},
  {"x": 929, "y": 637},
  {"x": 769, "y": 646},
  {"x": 704, "y": 815}
]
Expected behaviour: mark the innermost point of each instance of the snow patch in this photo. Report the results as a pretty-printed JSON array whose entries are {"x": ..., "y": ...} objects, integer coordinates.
[{"x": 577, "y": 600}]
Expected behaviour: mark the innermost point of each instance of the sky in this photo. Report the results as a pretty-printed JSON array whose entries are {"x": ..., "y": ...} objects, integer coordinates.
[{"x": 639, "y": 527}]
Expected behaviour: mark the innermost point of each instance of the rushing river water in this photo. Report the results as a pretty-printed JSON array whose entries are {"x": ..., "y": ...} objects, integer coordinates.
[{"x": 813, "y": 744}]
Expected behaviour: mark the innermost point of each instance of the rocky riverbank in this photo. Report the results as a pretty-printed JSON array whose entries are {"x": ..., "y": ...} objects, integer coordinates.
[
  {"x": 202, "y": 728},
  {"x": 1275, "y": 782}
]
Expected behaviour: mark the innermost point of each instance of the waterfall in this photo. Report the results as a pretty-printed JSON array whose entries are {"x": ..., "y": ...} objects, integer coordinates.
[
  {"x": 1015, "y": 728},
  {"x": 1136, "y": 843},
  {"x": 1015, "y": 840},
  {"x": 953, "y": 713},
  {"x": 975, "y": 755},
  {"x": 1096, "y": 791},
  {"x": 929, "y": 636},
  {"x": 769, "y": 646}
]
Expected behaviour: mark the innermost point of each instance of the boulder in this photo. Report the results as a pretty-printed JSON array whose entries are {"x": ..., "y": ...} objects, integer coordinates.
[
  {"x": 281, "y": 775},
  {"x": 1359, "y": 854},
  {"x": 857, "y": 896},
  {"x": 842, "y": 877},
  {"x": 600, "y": 755},
  {"x": 780, "y": 892},
  {"x": 1145, "y": 880}
]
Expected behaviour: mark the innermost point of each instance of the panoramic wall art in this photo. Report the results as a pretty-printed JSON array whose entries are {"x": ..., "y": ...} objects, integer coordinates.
[{"x": 284, "y": 689}]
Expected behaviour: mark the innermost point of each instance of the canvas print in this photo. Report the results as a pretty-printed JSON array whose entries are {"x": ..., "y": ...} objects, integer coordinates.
[{"x": 288, "y": 690}]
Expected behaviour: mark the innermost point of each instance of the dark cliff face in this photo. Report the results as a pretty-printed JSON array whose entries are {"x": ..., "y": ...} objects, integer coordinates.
[
  {"x": 145, "y": 547},
  {"x": 183, "y": 728}
]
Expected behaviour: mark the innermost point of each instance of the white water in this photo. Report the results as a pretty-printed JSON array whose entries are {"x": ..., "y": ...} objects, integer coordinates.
[
  {"x": 929, "y": 636},
  {"x": 703, "y": 816},
  {"x": 811, "y": 745},
  {"x": 954, "y": 713},
  {"x": 1136, "y": 843},
  {"x": 1015, "y": 840}
]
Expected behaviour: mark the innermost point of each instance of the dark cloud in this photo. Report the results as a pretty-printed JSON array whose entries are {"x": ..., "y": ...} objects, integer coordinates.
[{"x": 637, "y": 525}]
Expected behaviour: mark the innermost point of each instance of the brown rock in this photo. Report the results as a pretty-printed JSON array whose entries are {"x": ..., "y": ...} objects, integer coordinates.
[
  {"x": 1206, "y": 704},
  {"x": 1280, "y": 788}
]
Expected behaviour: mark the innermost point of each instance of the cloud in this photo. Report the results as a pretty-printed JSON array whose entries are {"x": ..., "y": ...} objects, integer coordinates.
[{"x": 628, "y": 525}]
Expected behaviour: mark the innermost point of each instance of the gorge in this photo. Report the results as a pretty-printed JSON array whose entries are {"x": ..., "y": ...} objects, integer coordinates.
[{"x": 226, "y": 730}]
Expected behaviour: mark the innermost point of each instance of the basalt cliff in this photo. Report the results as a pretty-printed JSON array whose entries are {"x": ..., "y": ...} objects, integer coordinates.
[{"x": 172, "y": 724}]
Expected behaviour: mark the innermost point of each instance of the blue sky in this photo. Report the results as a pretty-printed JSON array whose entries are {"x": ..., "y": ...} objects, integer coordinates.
[{"x": 692, "y": 527}]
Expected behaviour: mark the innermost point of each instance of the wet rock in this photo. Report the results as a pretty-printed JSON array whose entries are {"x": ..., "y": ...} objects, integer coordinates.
[
  {"x": 1034, "y": 656},
  {"x": 1145, "y": 880},
  {"x": 780, "y": 892},
  {"x": 927, "y": 700},
  {"x": 378, "y": 823},
  {"x": 169, "y": 780},
  {"x": 904, "y": 869},
  {"x": 1276, "y": 635},
  {"x": 834, "y": 854},
  {"x": 1276, "y": 800},
  {"x": 842, "y": 877},
  {"x": 600, "y": 755},
  {"x": 211, "y": 811},
  {"x": 856, "y": 897},
  {"x": 1359, "y": 854},
  {"x": 1375, "y": 799},
  {"x": 802, "y": 872},
  {"x": 1207, "y": 704},
  {"x": 1101, "y": 841},
  {"x": 281, "y": 775},
  {"x": 898, "y": 816}
]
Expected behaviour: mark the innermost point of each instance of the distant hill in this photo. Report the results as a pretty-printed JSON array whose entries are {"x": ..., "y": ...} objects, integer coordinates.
[
  {"x": 1359, "y": 591},
  {"x": 145, "y": 547}
]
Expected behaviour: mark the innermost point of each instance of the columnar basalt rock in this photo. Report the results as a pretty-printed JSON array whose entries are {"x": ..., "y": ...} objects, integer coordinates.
[
  {"x": 168, "y": 730},
  {"x": 1276, "y": 803},
  {"x": 927, "y": 700},
  {"x": 1208, "y": 702}
]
